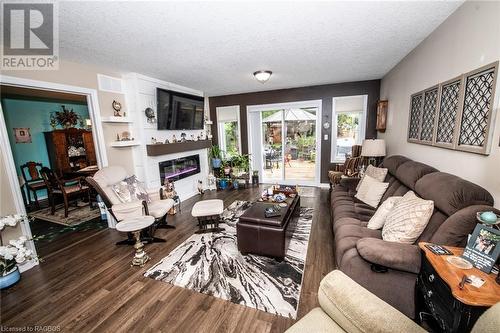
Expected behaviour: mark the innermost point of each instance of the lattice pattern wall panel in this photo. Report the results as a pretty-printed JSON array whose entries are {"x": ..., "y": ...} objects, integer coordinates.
[
  {"x": 448, "y": 109},
  {"x": 415, "y": 114},
  {"x": 477, "y": 105},
  {"x": 429, "y": 115}
]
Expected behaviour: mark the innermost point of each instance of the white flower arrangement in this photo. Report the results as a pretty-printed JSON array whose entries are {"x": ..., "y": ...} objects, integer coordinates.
[
  {"x": 11, "y": 220},
  {"x": 16, "y": 251}
]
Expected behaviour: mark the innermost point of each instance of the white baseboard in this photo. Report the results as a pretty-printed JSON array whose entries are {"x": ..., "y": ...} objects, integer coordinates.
[{"x": 28, "y": 265}]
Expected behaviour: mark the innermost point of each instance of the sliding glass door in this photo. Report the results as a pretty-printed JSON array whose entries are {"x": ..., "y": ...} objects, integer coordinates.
[{"x": 286, "y": 142}]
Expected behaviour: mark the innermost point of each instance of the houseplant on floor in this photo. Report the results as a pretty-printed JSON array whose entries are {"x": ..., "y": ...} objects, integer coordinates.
[
  {"x": 215, "y": 155},
  {"x": 12, "y": 254}
]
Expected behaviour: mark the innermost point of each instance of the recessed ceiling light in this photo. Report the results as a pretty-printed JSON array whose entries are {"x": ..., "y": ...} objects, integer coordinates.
[{"x": 262, "y": 76}]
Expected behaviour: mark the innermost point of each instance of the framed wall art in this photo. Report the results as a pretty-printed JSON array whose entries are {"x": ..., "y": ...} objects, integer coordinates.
[{"x": 22, "y": 135}]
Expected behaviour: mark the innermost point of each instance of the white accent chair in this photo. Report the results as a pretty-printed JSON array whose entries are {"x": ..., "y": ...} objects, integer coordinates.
[{"x": 102, "y": 182}]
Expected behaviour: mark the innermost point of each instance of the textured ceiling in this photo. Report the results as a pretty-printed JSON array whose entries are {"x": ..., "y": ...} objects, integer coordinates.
[{"x": 215, "y": 47}]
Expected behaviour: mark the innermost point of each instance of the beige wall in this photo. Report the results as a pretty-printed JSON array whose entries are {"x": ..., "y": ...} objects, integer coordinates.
[
  {"x": 468, "y": 39},
  {"x": 82, "y": 76},
  {"x": 86, "y": 76}
]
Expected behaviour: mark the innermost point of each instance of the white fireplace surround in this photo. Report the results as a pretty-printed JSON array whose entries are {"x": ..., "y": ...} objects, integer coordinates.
[{"x": 140, "y": 94}]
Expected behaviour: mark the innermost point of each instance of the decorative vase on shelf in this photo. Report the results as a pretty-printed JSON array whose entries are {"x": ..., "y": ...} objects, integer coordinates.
[{"x": 10, "y": 278}]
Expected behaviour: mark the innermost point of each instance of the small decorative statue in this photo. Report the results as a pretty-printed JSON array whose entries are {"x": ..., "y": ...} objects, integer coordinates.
[
  {"x": 183, "y": 137},
  {"x": 117, "y": 107},
  {"x": 174, "y": 139},
  {"x": 166, "y": 141},
  {"x": 117, "y": 137},
  {"x": 153, "y": 140},
  {"x": 150, "y": 115},
  {"x": 168, "y": 192},
  {"x": 200, "y": 187},
  {"x": 192, "y": 137}
]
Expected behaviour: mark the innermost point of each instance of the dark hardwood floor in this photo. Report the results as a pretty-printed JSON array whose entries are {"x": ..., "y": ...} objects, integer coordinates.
[{"x": 90, "y": 286}]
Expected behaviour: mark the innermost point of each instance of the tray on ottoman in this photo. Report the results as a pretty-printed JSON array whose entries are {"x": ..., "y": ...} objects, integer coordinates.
[{"x": 260, "y": 235}]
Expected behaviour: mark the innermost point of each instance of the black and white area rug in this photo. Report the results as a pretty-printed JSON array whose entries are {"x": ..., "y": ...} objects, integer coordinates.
[{"x": 210, "y": 263}]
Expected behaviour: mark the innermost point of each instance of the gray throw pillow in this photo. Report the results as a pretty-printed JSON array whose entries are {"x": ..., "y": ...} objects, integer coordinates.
[{"x": 131, "y": 189}]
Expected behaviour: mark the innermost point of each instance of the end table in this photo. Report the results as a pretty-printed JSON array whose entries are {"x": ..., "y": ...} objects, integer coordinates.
[{"x": 454, "y": 309}]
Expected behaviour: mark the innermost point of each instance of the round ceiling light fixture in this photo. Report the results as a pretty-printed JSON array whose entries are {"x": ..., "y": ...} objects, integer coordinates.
[{"x": 262, "y": 76}]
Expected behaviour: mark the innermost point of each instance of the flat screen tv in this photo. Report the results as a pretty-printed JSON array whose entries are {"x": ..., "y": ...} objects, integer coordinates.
[{"x": 178, "y": 111}]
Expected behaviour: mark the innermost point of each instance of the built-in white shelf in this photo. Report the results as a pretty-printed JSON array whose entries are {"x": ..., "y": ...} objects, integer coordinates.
[
  {"x": 122, "y": 144},
  {"x": 116, "y": 120}
]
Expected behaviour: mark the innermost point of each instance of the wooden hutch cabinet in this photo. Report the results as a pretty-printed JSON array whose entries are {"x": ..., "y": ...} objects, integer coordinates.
[{"x": 70, "y": 150}]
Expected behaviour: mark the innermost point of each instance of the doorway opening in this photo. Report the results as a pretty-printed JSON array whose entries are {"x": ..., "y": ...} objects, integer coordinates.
[
  {"x": 284, "y": 141},
  {"x": 53, "y": 148}
]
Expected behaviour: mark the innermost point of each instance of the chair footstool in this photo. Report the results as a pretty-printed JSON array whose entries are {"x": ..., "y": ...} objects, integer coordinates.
[{"x": 208, "y": 212}]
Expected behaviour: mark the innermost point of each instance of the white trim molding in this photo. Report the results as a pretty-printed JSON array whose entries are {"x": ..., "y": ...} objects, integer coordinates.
[
  {"x": 97, "y": 134},
  {"x": 299, "y": 104}
]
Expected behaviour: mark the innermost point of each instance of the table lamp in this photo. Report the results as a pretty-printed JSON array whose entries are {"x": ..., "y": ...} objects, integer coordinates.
[{"x": 373, "y": 148}]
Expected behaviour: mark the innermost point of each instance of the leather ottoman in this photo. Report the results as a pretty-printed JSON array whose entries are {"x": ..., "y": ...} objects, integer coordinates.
[{"x": 260, "y": 235}]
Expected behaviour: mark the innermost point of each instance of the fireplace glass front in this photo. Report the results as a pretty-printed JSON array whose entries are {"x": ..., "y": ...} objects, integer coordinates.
[{"x": 179, "y": 168}]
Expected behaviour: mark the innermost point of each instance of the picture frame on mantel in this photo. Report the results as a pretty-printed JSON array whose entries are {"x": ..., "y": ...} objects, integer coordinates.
[{"x": 382, "y": 115}]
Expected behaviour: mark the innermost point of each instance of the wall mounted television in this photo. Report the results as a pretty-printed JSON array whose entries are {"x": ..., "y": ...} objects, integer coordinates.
[{"x": 179, "y": 111}]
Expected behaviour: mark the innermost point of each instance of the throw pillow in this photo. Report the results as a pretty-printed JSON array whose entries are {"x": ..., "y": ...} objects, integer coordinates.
[
  {"x": 374, "y": 172},
  {"x": 371, "y": 191},
  {"x": 131, "y": 189},
  {"x": 378, "y": 219},
  {"x": 408, "y": 219}
]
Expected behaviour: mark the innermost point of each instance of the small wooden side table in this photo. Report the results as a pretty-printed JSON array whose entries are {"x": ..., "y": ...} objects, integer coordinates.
[
  {"x": 455, "y": 309},
  {"x": 135, "y": 225}
]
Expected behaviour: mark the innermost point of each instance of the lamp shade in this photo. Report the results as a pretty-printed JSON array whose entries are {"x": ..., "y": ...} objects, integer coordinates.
[{"x": 373, "y": 148}]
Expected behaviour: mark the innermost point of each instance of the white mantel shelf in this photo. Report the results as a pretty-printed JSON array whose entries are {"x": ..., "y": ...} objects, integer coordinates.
[
  {"x": 116, "y": 120},
  {"x": 123, "y": 144}
]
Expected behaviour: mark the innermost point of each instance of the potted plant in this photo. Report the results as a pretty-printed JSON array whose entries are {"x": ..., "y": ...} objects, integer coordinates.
[
  {"x": 215, "y": 154},
  {"x": 12, "y": 254},
  {"x": 241, "y": 164}
]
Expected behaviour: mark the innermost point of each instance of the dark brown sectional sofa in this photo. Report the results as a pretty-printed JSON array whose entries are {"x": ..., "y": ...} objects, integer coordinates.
[{"x": 360, "y": 252}]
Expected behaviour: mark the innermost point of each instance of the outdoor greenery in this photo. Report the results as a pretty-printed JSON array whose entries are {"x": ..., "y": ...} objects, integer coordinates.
[
  {"x": 346, "y": 123},
  {"x": 230, "y": 131}
]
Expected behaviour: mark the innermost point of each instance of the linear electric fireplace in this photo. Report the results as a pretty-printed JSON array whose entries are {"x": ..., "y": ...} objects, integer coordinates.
[{"x": 179, "y": 168}]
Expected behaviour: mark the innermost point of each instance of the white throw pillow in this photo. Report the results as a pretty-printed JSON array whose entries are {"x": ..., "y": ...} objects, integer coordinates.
[
  {"x": 408, "y": 219},
  {"x": 378, "y": 219},
  {"x": 374, "y": 172},
  {"x": 371, "y": 191}
]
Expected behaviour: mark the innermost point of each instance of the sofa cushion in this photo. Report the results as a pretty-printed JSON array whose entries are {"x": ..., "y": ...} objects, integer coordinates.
[
  {"x": 454, "y": 230},
  {"x": 451, "y": 193},
  {"x": 395, "y": 189},
  {"x": 392, "y": 163},
  {"x": 346, "y": 237},
  {"x": 345, "y": 221},
  {"x": 410, "y": 172},
  {"x": 356, "y": 309},
  {"x": 315, "y": 320},
  {"x": 406, "y": 221},
  {"x": 404, "y": 257}
]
